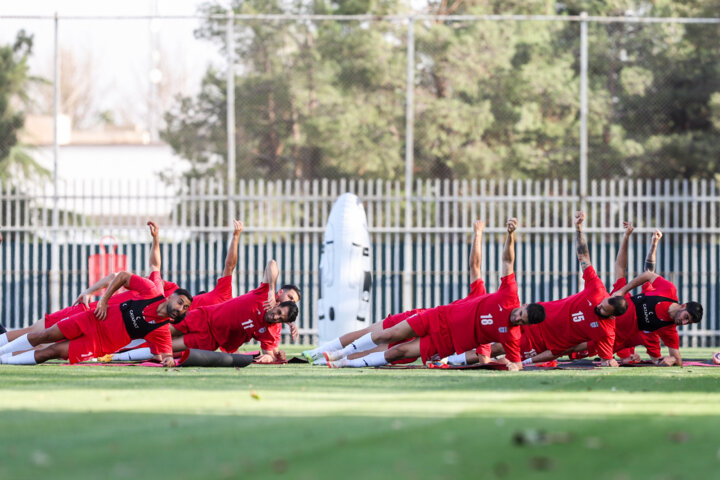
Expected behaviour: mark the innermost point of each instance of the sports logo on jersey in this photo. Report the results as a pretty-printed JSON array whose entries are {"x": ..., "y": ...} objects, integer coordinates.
[
  {"x": 247, "y": 324},
  {"x": 578, "y": 317},
  {"x": 594, "y": 324},
  {"x": 262, "y": 330},
  {"x": 486, "y": 319},
  {"x": 502, "y": 329}
]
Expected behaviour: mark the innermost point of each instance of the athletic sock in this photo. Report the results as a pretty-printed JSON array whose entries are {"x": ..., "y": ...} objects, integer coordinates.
[
  {"x": 18, "y": 345},
  {"x": 137, "y": 354},
  {"x": 457, "y": 359},
  {"x": 375, "y": 359},
  {"x": 25, "y": 358},
  {"x": 330, "y": 346},
  {"x": 362, "y": 344},
  {"x": 3, "y": 340}
]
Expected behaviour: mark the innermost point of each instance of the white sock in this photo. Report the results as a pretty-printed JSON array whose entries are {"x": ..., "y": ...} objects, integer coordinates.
[
  {"x": 137, "y": 354},
  {"x": 330, "y": 346},
  {"x": 527, "y": 361},
  {"x": 375, "y": 359},
  {"x": 3, "y": 340},
  {"x": 457, "y": 359},
  {"x": 320, "y": 361},
  {"x": 17, "y": 345},
  {"x": 25, "y": 358},
  {"x": 360, "y": 345}
]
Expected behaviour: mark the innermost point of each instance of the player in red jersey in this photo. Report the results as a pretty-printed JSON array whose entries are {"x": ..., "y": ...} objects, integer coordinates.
[
  {"x": 454, "y": 328},
  {"x": 477, "y": 287},
  {"x": 653, "y": 314},
  {"x": 257, "y": 315},
  {"x": 91, "y": 334},
  {"x": 587, "y": 315},
  {"x": 83, "y": 302}
]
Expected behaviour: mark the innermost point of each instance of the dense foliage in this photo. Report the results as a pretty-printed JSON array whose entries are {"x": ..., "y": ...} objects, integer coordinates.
[{"x": 493, "y": 99}]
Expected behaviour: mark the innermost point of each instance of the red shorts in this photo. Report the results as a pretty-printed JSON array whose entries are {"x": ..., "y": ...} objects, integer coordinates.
[
  {"x": 85, "y": 338},
  {"x": 53, "y": 318},
  {"x": 435, "y": 339},
  {"x": 221, "y": 293},
  {"x": 392, "y": 320},
  {"x": 196, "y": 331}
]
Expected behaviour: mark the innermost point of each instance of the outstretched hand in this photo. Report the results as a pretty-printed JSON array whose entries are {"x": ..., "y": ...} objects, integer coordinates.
[
  {"x": 657, "y": 235},
  {"x": 83, "y": 299},
  {"x": 237, "y": 227},
  {"x": 579, "y": 218},
  {"x": 512, "y": 224},
  {"x": 628, "y": 227},
  {"x": 478, "y": 226},
  {"x": 154, "y": 230},
  {"x": 269, "y": 303}
]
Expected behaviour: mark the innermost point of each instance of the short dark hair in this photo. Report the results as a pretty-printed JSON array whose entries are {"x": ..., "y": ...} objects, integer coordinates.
[
  {"x": 290, "y": 286},
  {"x": 292, "y": 311},
  {"x": 619, "y": 304},
  {"x": 695, "y": 310},
  {"x": 184, "y": 293},
  {"x": 535, "y": 313}
]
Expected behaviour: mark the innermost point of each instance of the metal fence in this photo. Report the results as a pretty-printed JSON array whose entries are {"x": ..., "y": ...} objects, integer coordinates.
[
  {"x": 285, "y": 220},
  {"x": 401, "y": 110}
]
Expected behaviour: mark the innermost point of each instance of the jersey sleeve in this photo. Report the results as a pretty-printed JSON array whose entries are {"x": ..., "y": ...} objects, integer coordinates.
[
  {"x": 604, "y": 345},
  {"x": 664, "y": 288},
  {"x": 620, "y": 283},
  {"x": 477, "y": 288},
  {"x": 143, "y": 286},
  {"x": 509, "y": 291},
  {"x": 160, "y": 340},
  {"x": 156, "y": 278},
  {"x": 485, "y": 349},
  {"x": 270, "y": 339},
  {"x": 512, "y": 345},
  {"x": 669, "y": 336},
  {"x": 592, "y": 281}
]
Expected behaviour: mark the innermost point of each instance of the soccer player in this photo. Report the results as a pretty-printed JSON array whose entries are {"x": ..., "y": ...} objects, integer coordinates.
[
  {"x": 653, "y": 314},
  {"x": 455, "y": 328},
  {"x": 477, "y": 287},
  {"x": 95, "y": 333},
  {"x": 258, "y": 315},
  {"x": 587, "y": 315}
]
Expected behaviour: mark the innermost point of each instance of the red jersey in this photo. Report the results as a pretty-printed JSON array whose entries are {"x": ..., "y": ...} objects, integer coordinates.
[
  {"x": 107, "y": 336},
  {"x": 482, "y": 319},
  {"x": 242, "y": 319},
  {"x": 626, "y": 326},
  {"x": 573, "y": 320}
]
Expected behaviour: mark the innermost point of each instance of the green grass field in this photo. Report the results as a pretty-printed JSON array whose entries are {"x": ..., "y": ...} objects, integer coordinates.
[{"x": 307, "y": 422}]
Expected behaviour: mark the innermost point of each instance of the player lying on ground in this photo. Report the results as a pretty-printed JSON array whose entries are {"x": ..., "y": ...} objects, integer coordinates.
[
  {"x": 221, "y": 293},
  {"x": 257, "y": 315},
  {"x": 587, "y": 315},
  {"x": 477, "y": 287},
  {"x": 83, "y": 302},
  {"x": 95, "y": 333},
  {"x": 454, "y": 328},
  {"x": 653, "y": 314}
]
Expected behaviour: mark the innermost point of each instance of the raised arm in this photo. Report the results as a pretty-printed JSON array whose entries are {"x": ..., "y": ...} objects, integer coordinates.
[
  {"x": 232, "y": 255},
  {"x": 650, "y": 258},
  {"x": 622, "y": 256},
  {"x": 476, "y": 251},
  {"x": 636, "y": 282},
  {"x": 508, "y": 255},
  {"x": 583, "y": 253},
  {"x": 155, "y": 260},
  {"x": 270, "y": 277},
  {"x": 122, "y": 279}
]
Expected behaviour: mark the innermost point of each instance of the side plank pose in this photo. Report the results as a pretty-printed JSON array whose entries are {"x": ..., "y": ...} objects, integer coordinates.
[
  {"x": 454, "y": 328},
  {"x": 587, "y": 315},
  {"x": 95, "y": 333},
  {"x": 477, "y": 287},
  {"x": 653, "y": 315}
]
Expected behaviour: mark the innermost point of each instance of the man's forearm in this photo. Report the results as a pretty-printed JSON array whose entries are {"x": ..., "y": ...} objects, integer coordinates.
[{"x": 583, "y": 253}]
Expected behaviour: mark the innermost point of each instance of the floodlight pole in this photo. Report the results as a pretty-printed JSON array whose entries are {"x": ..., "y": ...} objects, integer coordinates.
[
  {"x": 407, "y": 292},
  {"x": 583, "y": 109},
  {"x": 54, "y": 247}
]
